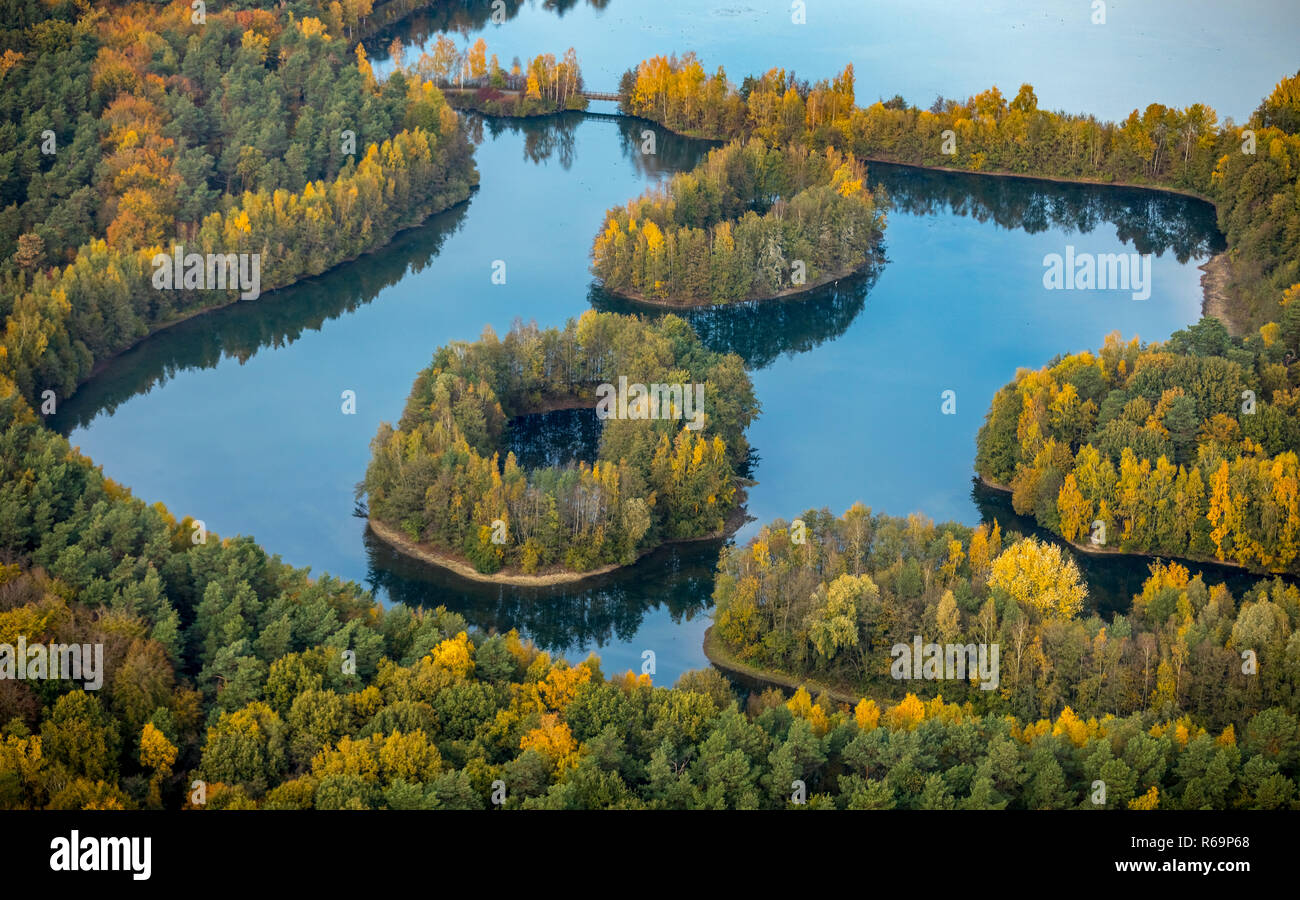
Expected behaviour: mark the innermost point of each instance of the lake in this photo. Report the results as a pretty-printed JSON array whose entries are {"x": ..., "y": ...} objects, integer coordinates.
[{"x": 235, "y": 417}]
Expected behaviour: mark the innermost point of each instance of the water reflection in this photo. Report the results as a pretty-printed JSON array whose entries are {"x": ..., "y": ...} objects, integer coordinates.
[
  {"x": 672, "y": 152},
  {"x": 462, "y": 17},
  {"x": 543, "y": 138},
  {"x": 1152, "y": 221},
  {"x": 554, "y": 438},
  {"x": 677, "y": 579},
  {"x": 240, "y": 330},
  {"x": 554, "y": 136},
  {"x": 761, "y": 331}
]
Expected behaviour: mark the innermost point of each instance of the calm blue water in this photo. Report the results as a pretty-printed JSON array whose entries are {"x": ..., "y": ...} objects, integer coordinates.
[
  {"x": 235, "y": 417},
  {"x": 1175, "y": 52}
]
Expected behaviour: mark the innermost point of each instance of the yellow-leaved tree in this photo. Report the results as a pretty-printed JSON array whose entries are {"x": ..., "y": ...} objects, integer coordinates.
[
  {"x": 1075, "y": 509},
  {"x": 1037, "y": 575},
  {"x": 553, "y": 739},
  {"x": 866, "y": 714},
  {"x": 1149, "y": 800},
  {"x": 156, "y": 752},
  {"x": 906, "y": 715},
  {"x": 802, "y": 705},
  {"x": 454, "y": 655}
]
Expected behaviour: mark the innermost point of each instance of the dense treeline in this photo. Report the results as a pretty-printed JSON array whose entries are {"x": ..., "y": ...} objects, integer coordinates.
[
  {"x": 439, "y": 478},
  {"x": 748, "y": 222},
  {"x": 1159, "y": 145},
  {"x": 1251, "y": 177},
  {"x": 1258, "y": 197},
  {"x": 351, "y": 19},
  {"x": 474, "y": 80},
  {"x": 1185, "y": 448},
  {"x": 434, "y": 716},
  {"x": 106, "y": 300},
  {"x": 226, "y": 666},
  {"x": 190, "y": 623},
  {"x": 678, "y": 94},
  {"x": 830, "y": 607},
  {"x": 250, "y": 134}
]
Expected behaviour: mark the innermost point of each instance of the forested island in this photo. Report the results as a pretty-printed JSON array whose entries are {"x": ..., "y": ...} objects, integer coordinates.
[
  {"x": 750, "y": 222},
  {"x": 666, "y": 468}
]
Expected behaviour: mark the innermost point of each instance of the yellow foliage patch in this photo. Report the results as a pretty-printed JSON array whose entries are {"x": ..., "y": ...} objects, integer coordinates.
[{"x": 453, "y": 655}]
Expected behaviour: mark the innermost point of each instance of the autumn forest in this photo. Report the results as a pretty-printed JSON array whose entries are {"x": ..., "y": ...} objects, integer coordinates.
[{"x": 309, "y": 138}]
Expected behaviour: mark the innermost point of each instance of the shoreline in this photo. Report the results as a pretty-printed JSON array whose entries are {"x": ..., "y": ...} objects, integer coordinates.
[
  {"x": 708, "y": 304},
  {"x": 102, "y": 365},
  {"x": 425, "y": 553},
  {"x": 1214, "y": 296},
  {"x": 459, "y": 566},
  {"x": 1058, "y": 179},
  {"x": 719, "y": 658},
  {"x": 1093, "y": 551}
]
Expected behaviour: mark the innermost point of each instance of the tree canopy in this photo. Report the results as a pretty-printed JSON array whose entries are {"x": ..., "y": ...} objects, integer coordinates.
[
  {"x": 748, "y": 222},
  {"x": 440, "y": 479}
]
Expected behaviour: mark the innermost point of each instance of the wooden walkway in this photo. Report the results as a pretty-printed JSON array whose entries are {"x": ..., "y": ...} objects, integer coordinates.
[{"x": 600, "y": 95}]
